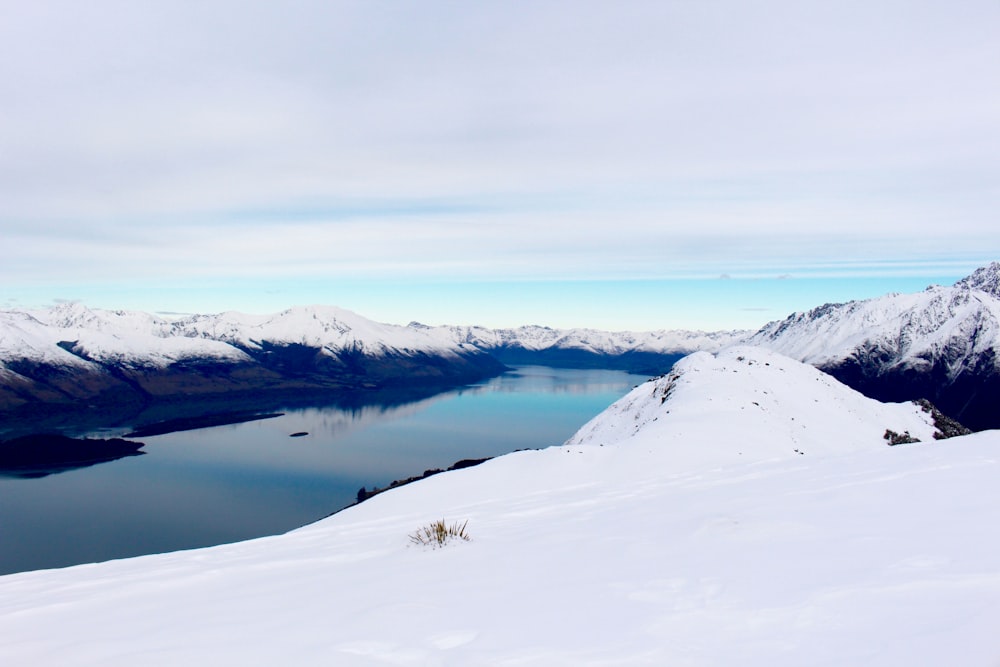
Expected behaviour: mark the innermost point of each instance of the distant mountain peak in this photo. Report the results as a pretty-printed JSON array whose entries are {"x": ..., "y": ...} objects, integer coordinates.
[
  {"x": 985, "y": 279},
  {"x": 67, "y": 315},
  {"x": 942, "y": 344}
]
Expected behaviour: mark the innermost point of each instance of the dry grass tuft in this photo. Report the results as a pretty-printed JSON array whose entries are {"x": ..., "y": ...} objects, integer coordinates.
[{"x": 438, "y": 533}]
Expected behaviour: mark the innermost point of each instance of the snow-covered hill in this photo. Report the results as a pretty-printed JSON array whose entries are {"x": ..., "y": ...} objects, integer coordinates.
[
  {"x": 942, "y": 344},
  {"x": 779, "y": 407},
  {"x": 743, "y": 510}
]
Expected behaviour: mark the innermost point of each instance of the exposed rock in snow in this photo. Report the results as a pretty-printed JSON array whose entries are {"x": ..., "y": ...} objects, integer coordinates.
[{"x": 985, "y": 279}]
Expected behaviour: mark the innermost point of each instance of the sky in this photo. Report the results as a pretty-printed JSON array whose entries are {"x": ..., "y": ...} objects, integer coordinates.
[{"x": 629, "y": 165}]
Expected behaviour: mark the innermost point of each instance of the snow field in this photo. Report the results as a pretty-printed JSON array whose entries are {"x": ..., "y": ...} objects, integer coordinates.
[{"x": 623, "y": 547}]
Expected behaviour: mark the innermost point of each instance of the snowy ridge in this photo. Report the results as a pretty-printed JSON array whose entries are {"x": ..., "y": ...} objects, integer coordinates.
[
  {"x": 591, "y": 340},
  {"x": 954, "y": 323},
  {"x": 327, "y": 327},
  {"x": 942, "y": 344},
  {"x": 632, "y": 544},
  {"x": 749, "y": 404},
  {"x": 72, "y": 335},
  {"x": 985, "y": 279},
  {"x": 140, "y": 339},
  {"x": 23, "y": 336},
  {"x": 73, "y": 357}
]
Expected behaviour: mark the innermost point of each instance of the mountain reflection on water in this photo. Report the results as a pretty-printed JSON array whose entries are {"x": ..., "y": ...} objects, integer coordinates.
[{"x": 237, "y": 481}]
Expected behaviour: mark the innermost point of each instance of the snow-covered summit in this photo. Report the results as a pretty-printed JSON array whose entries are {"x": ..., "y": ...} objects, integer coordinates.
[
  {"x": 909, "y": 329},
  {"x": 749, "y": 404},
  {"x": 121, "y": 323},
  {"x": 324, "y": 327},
  {"x": 985, "y": 279}
]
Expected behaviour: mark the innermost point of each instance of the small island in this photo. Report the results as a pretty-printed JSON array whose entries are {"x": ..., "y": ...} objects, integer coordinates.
[{"x": 42, "y": 454}]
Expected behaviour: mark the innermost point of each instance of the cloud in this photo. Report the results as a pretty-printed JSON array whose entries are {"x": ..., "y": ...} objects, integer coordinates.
[{"x": 472, "y": 141}]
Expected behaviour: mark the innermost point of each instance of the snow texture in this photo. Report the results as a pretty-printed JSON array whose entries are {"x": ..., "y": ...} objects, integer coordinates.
[{"x": 743, "y": 510}]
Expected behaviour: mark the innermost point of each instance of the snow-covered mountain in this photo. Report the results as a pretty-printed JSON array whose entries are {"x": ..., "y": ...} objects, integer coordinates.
[
  {"x": 780, "y": 407},
  {"x": 652, "y": 352},
  {"x": 941, "y": 344},
  {"x": 71, "y": 354},
  {"x": 746, "y": 509}
]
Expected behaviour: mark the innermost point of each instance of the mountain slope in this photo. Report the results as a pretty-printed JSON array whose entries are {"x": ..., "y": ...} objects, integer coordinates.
[
  {"x": 941, "y": 344},
  {"x": 777, "y": 408},
  {"x": 656, "y": 545}
]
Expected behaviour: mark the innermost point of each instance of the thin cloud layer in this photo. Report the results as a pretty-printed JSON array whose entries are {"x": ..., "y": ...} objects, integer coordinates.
[{"x": 546, "y": 140}]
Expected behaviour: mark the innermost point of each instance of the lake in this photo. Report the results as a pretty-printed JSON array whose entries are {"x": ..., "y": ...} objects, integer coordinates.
[{"x": 227, "y": 483}]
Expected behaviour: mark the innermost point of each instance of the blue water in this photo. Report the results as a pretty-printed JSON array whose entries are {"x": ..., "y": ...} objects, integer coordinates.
[{"x": 227, "y": 483}]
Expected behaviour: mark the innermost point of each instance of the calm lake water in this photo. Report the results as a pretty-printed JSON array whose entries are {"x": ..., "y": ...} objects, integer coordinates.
[{"x": 228, "y": 483}]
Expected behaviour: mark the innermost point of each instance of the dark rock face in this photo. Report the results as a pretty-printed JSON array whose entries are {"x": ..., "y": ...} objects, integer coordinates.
[
  {"x": 945, "y": 425},
  {"x": 972, "y": 397}
]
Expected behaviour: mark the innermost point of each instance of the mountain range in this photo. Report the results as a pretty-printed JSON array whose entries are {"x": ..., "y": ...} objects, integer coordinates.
[
  {"x": 122, "y": 363},
  {"x": 940, "y": 344},
  {"x": 70, "y": 362}
]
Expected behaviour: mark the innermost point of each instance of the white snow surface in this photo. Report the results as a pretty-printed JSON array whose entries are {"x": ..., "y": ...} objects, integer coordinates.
[
  {"x": 684, "y": 531},
  {"x": 779, "y": 405},
  {"x": 122, "y": 337}
]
